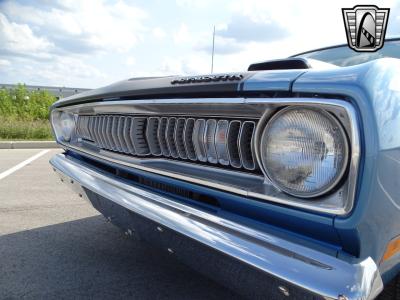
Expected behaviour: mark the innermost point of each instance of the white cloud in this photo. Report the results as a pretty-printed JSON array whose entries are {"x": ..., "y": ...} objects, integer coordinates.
[
  {"x": 18, "y": 39},
  {"x": 4, "y": 63},
  {"x": 310, "y": 24},
  {"x": 130, "y": 61},
  {"x": 84, "y": 26},
  {"x": 244, "y": 29},
  {"x": 63, "y": 71},
  {"x": 158, "y": 33},
  {"x": 57, "y": 42},
  {"x": 222, "y": 45},
  {"x": 194, "y": 3},
  {"x": 190, "y": 64},
  {"x": 182, "y": 34}
]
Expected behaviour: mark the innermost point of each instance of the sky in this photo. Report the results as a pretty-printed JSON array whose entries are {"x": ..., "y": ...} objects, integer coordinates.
[{"x": 92, "y": 43}]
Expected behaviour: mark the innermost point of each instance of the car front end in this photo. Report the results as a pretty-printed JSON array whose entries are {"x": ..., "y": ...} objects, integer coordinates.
[{"x": 276, "y": 183}]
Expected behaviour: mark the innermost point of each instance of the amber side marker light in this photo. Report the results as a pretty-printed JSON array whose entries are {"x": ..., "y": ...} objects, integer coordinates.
[{"x": 392, "y": 249}]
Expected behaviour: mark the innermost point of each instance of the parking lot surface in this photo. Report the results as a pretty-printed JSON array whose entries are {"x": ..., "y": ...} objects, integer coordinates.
[{"x": 53, "y": 244}]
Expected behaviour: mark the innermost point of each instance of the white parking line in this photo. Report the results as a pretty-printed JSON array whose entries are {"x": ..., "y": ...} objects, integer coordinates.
[{"x": 22, "y": 164}]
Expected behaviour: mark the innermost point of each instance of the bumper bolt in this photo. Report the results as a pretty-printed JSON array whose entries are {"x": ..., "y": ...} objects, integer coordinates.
[
  {"x": 170, "y": 251},
  {"x": 160, "y": 229}
]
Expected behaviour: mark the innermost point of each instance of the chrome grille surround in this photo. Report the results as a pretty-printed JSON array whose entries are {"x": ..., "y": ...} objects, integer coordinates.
[
  {"x": 178, "y": 138},
  {"x": 236, "y": 180}
]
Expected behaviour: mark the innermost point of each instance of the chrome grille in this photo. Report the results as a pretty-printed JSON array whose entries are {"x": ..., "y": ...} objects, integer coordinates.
[{"x": 227, "y": 143}]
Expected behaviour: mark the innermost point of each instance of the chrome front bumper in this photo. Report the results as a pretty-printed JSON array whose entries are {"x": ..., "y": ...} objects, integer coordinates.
[{"x": 287, "y": 263}]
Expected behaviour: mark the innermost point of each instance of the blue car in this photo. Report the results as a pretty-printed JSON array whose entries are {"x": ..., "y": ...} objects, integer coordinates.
[{"x": 279, "y": 182}]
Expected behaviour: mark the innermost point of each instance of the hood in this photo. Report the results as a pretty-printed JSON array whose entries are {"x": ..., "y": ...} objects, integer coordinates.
[
  {"x": 204, "y": 86},
  {"x": 274, "y": 76}
]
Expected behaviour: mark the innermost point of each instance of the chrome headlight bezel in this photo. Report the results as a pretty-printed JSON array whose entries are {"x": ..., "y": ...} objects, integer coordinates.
[
  {"x": 270, "y": 174},
  {"x": 340, "y": 199}
]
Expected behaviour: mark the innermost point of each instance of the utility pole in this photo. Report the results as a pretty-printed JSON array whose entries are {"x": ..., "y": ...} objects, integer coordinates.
[{"x": 212, "y": 54}]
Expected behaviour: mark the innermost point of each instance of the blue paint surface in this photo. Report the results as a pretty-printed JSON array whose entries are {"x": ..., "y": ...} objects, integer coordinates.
[{"x": 374, "y": 89}]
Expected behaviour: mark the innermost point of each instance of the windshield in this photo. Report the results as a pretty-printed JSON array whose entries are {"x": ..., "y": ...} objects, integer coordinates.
[{"x": 344, "y": 56}]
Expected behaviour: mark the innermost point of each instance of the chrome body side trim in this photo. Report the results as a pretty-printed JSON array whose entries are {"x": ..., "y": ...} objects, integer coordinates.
[
  {"x": 340, "y": 202},
  {"x": 306, "y": 268}
]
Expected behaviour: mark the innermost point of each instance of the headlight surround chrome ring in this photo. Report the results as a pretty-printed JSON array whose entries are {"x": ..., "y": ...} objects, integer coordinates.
[{"x": 312, "y": 136}]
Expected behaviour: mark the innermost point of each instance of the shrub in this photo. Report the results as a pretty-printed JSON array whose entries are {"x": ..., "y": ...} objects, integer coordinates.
[
  {"x": 21, "y": 104},
  {"x": 24, "y": 114}
]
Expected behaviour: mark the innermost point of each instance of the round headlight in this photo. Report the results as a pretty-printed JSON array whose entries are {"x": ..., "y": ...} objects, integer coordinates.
[
  {"x": 67, "y": 125},
  {"x": 304, "y": 151}
]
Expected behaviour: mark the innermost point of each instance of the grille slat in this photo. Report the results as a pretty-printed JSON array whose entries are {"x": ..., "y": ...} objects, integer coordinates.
[
  {"x": 114, "y": 134},
  {"x": 245, "y": 142},
  {"x": 86, "y": 129},
  {"x": 127, "y": 135},
  {"x": 209, "y": 136},
  {"x": 106, "y": 131},
  {"x": 179, "y": 137},
  {"x": 102, "y": 127},
  {"x": 227, "y": 143},
  {"x": 161, "y": 137},
  {"x": 102, "y": 141},
  {"x": 233, "y": 144},
  {"x": 104, "y": 138},
  {"x": 152, "y": 136},
  {"x": 78, "y": 127},
  {"x": 91, "y": 128},
  {"x": 120, "y": 135},
  {"x": 97, "y": 127},
  {"x": 221, "y": 143},
  {"x": 138, "y": 132},
  {"x": 198, "y": 139},
  {"x": 170, "y": 137},
  {"x": 188, "y": 140}
]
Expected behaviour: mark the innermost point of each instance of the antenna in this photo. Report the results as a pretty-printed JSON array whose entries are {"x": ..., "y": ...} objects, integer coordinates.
[{"x": 212, "y": 54}]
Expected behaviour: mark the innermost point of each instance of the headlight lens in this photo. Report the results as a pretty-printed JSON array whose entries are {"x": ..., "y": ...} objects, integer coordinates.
[
  {"x": 304, "y": 151},
  {"x": 64, "y": 125}
]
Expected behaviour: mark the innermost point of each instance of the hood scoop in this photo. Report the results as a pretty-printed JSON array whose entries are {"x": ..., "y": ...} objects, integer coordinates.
[{"x": 281, "y": 64}]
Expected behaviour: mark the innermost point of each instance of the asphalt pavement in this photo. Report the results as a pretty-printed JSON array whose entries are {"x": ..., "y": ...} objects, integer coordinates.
[{"x": 53, "y": 245}]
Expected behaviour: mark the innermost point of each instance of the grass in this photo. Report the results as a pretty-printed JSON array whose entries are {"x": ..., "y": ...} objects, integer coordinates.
[
  {"x": 25, "y": 130},
  {"x": 24, "y": 114}
]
